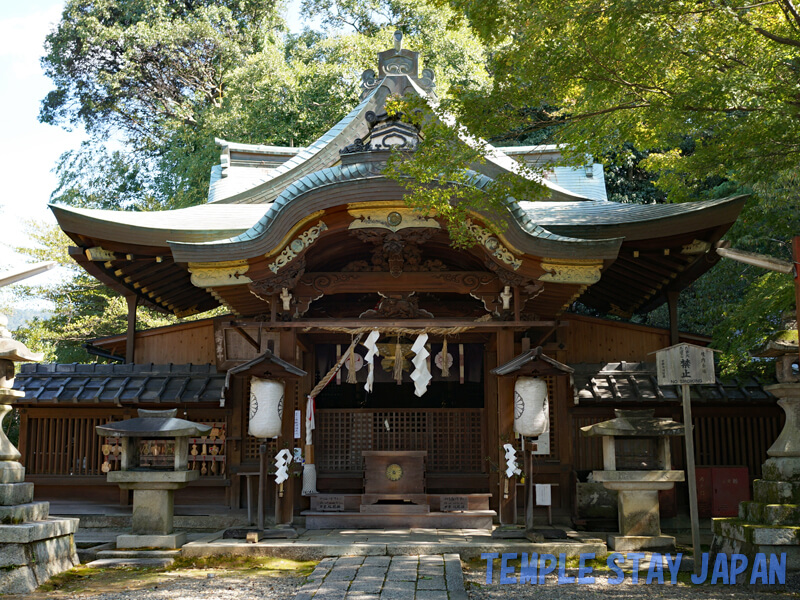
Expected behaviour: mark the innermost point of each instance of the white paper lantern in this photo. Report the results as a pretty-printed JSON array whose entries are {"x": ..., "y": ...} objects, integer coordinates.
[
  {"x": 531, "y": 411},
  {"x": 266, "y": 407}
]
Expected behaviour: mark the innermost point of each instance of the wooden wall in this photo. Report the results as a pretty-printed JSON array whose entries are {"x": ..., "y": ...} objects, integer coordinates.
[
  {"x": 593, "y": 340},
  {"x": 191, "y": 343}
]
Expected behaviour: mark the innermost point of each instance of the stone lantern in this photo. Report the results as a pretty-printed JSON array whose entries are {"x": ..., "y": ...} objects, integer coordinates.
[
  {"x": 33, "y": 545},
  {"x": 153, "y": 485},
  {"x": 639, "y": 442},
  {"x": 770, "y": 523}
]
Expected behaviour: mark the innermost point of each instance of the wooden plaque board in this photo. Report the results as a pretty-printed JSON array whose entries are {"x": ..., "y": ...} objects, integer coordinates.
[
  {"x": 453, "y": 503},
  {"x": 330, "y": 503}
]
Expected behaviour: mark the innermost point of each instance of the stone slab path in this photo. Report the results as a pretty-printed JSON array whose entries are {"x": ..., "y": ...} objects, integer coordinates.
[{"x": 428, "y": 577}]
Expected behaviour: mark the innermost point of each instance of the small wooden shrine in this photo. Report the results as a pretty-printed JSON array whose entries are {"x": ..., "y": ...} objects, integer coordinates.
[{"x": 308, "y": 248}]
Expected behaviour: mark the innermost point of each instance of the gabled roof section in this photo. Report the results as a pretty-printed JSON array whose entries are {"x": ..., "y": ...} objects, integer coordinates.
[
  {"x": 202, "y": 223},
  {"x": 602, "y": 219}
]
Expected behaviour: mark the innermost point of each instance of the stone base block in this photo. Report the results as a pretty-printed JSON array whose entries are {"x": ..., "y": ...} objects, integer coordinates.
[
  {"x": 729, "y": 545},
  {"x": 638, "y": 513},
  {"x": 25, "y": 565},
  {"x": 776, "y": 492},
  {"x": 650, "y": 543},
  {"x": 756, "y": 534},
  {"x": 782, "y": 468},
  {"x": 11, "y": 472},
  {"x": 39, "y": 530},
  {"x": 770, "y": 514},
  {"x": 15, "y": 493},
  {"x": 152, "y": 511},
  {"x": 23, "y": 513},
  {"x": 171, "y": 540}
]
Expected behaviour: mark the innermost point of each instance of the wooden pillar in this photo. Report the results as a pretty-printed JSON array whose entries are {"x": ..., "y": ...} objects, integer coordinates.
[
  {"x": 563, "y": 438},
  {"x": 796, "y": 260},
  {"x": 237, "y": 437},
  {"x": 130, "y": 344},
  {"x": 505, "y": 426},
  {"x": 285, "y": 509},
  {"x": 490, "y": 421},
  {"x": 672, "y": 305}
]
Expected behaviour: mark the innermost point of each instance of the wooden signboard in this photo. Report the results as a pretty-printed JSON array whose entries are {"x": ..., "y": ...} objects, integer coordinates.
[
  {"x": 329, "y": 503},
  {"x": 685, "y": 364},
  {"x": 453, "y": 503}
]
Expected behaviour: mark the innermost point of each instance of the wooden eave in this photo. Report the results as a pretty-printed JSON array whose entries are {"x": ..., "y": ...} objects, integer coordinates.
[{"x": 162, "y": 286}]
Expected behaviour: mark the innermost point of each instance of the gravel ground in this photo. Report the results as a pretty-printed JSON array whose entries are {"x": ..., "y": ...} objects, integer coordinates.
[
  {"x": 477, "y": 589},
  {"x": 178, "y": 586}
]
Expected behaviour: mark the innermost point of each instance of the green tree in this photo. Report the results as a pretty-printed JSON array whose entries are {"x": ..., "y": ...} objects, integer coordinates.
[
  {"x": 153, "y": 82},
  {"x": 708, "y": 90}
]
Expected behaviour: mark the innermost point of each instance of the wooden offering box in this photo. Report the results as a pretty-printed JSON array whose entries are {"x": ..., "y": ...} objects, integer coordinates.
[{"x": 396, "y": 475}]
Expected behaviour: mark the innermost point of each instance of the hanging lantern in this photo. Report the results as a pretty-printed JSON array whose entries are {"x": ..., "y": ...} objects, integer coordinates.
[
  {"x": 531, "y": 411},
  {"x": 266, "y": 407}
]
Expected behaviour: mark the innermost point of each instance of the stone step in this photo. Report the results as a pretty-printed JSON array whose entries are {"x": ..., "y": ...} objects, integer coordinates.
[
  {"x": 24, "y": 513},
  {"x": 395, "y": 509},
  {"x": 770, "y": 514},
  {"x": 201, "y": 523},
  {"x": 138, "y": 553},
  {"x": 753, "y": 533},
  {"x": 118, "y": 563},
  {"x": 468, "y": 519},
  {"x": 16, "y": 493},
  {"x": 776, "y": 492}
]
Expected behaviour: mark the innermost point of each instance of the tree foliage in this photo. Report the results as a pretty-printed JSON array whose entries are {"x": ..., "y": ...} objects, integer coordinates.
[
  {"x": 684, "y": 100},
  {"x": 154, "y": 82}
]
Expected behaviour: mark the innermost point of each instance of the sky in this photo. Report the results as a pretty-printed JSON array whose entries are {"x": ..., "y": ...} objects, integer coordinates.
[{"x": 30, "y": 149}]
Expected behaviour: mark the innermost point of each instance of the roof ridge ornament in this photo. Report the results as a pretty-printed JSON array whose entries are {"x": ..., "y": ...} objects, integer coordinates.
[{"x": 398, "y": 61}]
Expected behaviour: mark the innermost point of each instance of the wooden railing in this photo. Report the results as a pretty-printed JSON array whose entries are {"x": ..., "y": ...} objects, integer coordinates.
[{"x": 68, "y": 445}]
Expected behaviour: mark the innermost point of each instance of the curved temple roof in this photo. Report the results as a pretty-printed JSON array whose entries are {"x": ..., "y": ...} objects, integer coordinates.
[{"x": 253, "y": 217}]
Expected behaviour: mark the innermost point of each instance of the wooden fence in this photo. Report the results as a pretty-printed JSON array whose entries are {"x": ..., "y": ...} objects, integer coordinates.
[{"x": 453, "y": 438}]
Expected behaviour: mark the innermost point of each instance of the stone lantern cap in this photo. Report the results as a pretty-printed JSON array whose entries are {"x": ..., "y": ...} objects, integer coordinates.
[
  {"x": 154, "y": 424},
  {"x": 635, "y": 423},
  {"x": 17, "y": 352}
]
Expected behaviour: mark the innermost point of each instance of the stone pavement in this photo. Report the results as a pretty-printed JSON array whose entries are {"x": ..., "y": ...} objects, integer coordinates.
[
  {"x": 322, "y": 543},
  {"x": 428, "y": 577}
]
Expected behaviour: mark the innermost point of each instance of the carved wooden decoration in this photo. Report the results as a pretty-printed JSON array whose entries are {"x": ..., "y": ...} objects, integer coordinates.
[{"x": 397, "y": 306}]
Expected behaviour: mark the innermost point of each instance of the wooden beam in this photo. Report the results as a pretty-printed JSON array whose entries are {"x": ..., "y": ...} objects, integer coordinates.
[
  {"x": 248, "y": 338},
  {"x": 459, "y": 282},
  {"x": 312, "y": 324}
]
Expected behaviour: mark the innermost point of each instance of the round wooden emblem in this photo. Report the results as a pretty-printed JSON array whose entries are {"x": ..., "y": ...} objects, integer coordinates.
[{"x": 394, "y": 472}]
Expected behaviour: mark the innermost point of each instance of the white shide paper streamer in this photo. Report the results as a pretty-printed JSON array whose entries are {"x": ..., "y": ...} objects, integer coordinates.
[{"x": 422, "y": 374}]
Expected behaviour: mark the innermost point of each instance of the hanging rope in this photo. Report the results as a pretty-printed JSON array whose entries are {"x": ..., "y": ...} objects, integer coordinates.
[
  {"x": 335, "y": 368},
  {"x": 351, "y": 364},
  {"x": 445, "y": 365},
  {"x": 398, "y": 362}
]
